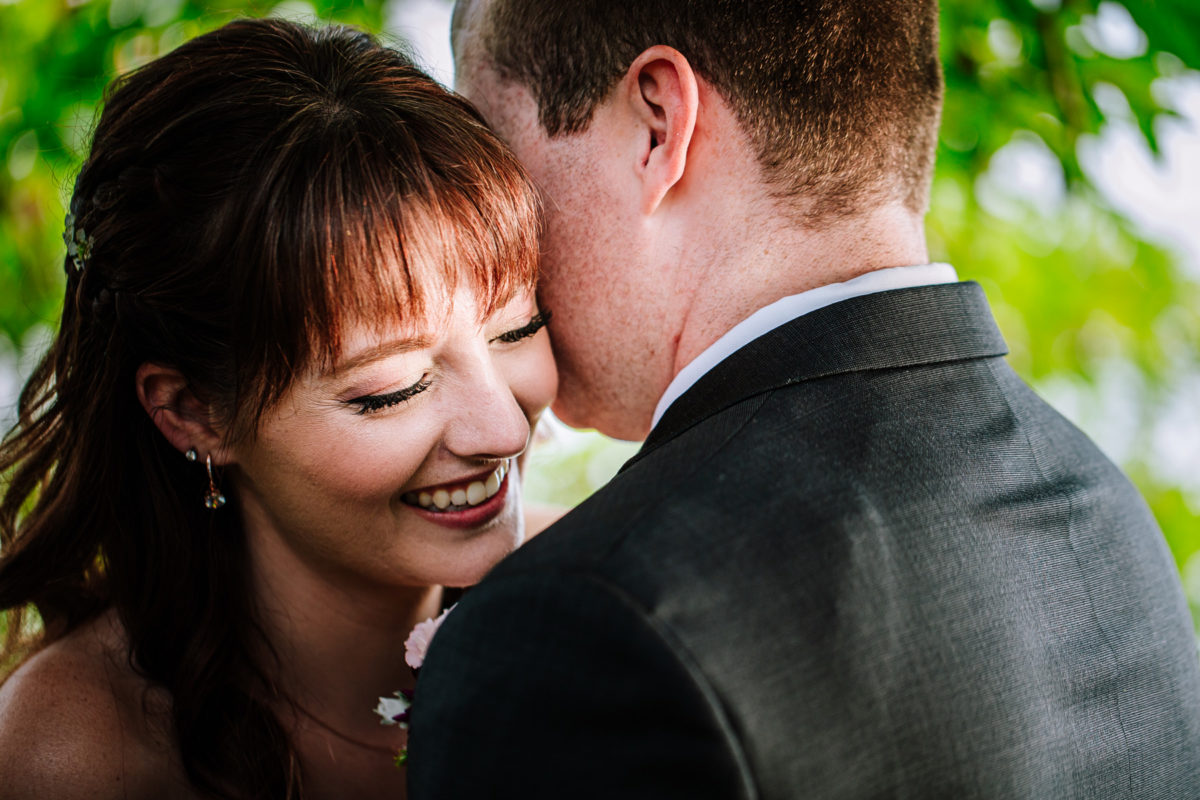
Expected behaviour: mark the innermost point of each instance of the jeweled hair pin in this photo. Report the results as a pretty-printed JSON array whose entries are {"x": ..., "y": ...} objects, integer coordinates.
[{"x": 79, "y": 244}]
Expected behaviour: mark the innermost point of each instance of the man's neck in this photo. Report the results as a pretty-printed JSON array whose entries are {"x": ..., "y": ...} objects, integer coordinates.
[
  {"x": 789, "y": 308},
  {"x": 747, "y": 272}
]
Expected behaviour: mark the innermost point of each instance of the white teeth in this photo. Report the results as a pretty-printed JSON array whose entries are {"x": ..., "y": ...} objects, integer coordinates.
[{"x": 474, "y": 494}]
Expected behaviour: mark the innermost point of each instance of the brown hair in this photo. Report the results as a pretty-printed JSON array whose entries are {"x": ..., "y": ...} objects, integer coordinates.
[
  {"x": 249, "y": 195},
  {"x": 840, "y": 98}
]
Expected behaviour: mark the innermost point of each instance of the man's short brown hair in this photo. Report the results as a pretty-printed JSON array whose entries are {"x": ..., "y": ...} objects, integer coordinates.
[{"x": 840, "y": 98}]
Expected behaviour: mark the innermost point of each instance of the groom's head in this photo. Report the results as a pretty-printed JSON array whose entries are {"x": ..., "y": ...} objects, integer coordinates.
[{"x": 656, "y": 127}]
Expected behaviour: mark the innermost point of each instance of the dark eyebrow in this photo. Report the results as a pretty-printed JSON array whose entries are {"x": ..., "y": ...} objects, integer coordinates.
[{"x": 379, "y": 351}]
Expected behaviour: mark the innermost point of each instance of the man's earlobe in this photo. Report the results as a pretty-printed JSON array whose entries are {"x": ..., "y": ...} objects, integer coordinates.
[
  {"x": 179, "y": 415},
  {"x": 665, "y": 99}
]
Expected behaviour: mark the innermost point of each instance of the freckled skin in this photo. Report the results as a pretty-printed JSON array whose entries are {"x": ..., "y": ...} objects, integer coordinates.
[
  {"x": 605, "y": 290},
  {"x": 324, "y": 484}
]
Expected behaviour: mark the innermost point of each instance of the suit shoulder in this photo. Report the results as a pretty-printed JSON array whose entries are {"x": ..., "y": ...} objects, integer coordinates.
[
  {"x": 63, "y": 732},
  {"x": 525, "y": 657},
  {"x": 594, "y": 620}
]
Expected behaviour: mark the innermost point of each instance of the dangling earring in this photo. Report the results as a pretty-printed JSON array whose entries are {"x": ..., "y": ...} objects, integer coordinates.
[{"x": 213, "y": 499}]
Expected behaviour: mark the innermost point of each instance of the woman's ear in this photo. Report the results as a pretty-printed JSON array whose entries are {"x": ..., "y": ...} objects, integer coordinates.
[
  {"x": 661, "y": 88},
  {"x": 185, "y": 421}
]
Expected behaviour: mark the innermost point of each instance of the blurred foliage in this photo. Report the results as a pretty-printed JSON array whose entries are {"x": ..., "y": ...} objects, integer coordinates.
[
  {"x": 1080, "y": 292},
  {"x": 57, "y": 58}
]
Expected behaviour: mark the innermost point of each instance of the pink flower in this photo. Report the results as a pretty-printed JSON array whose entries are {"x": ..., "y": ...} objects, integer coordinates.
[{"x": 417, "y": 644}]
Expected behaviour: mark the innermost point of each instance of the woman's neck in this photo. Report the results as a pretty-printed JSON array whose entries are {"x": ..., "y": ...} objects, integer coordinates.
[{"x": 339, "y": 644}]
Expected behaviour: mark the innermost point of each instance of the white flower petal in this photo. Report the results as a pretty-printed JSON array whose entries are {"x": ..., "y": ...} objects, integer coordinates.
[{"x": 391, "y": 707}]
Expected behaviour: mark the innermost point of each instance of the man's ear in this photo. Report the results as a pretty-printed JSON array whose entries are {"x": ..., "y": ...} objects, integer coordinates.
[
  {"x": 179, "y": 415},
  {"x": 661, "y": 88}
]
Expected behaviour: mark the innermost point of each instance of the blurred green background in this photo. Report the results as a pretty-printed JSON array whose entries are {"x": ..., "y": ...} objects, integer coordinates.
[{"x": 1067, "y": 185}]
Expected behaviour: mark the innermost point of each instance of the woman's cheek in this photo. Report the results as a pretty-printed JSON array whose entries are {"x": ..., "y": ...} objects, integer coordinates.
[{"x": 533, "y": 376}]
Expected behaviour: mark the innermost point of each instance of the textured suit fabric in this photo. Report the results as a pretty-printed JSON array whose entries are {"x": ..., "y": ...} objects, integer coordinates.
[{"x": 859, "y": 559}]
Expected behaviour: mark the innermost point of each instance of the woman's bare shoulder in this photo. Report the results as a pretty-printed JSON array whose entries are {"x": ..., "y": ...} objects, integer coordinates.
[{"x": 70, "y": 726}]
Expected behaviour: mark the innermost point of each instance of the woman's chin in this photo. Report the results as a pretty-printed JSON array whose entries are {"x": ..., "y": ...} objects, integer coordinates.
[{"x": 477, "y": 558}]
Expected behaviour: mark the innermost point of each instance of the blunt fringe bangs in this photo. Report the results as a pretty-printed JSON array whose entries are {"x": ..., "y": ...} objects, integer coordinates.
[{"x": 364, "y": 216}]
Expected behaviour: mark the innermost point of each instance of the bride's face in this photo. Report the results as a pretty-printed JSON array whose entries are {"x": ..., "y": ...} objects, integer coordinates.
[{"x": 398, "y": 466}]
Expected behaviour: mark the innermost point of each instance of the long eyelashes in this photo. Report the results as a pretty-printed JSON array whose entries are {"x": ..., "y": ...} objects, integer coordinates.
[
  {"x": 538, "y": 322},
  {"x": 375, "y": 402}
]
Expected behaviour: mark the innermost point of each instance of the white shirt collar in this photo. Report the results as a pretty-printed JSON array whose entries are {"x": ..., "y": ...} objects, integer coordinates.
[{"x": 797, "y": 305}]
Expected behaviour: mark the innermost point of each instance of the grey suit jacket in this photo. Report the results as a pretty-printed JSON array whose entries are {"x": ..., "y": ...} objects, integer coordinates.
[{"x": 858, "y": 559}]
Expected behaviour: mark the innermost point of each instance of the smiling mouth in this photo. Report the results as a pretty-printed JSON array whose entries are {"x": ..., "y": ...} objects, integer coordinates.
[{"x": 453, "y": 497}]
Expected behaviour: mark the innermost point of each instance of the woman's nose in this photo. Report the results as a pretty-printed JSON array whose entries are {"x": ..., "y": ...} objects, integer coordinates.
[{"x": 489, "y": 423}]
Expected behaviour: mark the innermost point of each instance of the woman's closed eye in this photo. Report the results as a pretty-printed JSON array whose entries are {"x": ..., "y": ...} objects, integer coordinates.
[
  {"x": 539, "y": 321},
  {"x": 374, "y": 402},
  {"x": 369, "y": 403}
]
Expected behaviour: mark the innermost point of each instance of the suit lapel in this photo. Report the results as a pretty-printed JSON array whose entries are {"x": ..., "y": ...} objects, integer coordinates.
[{"x": 885, "y": 330}]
